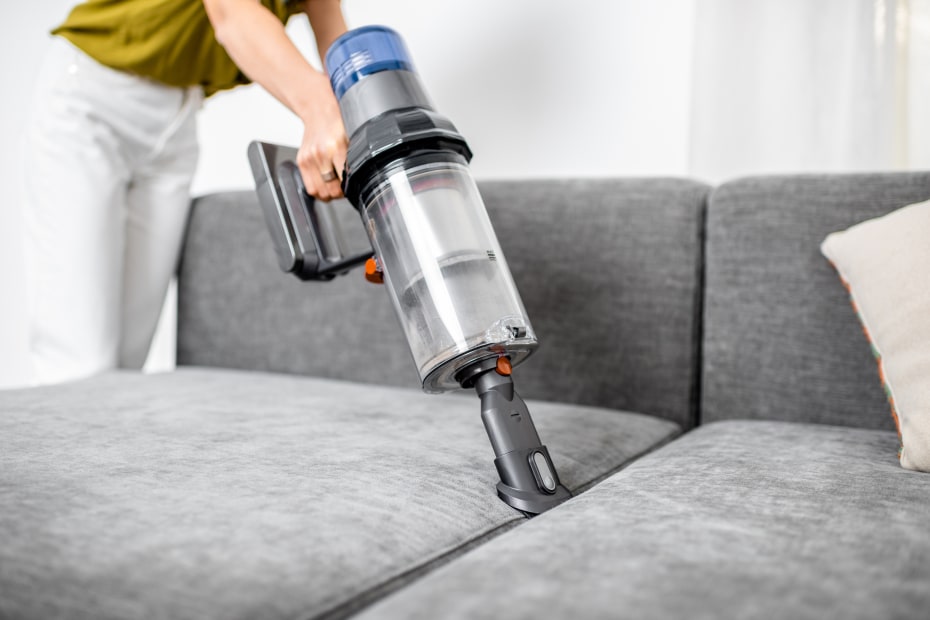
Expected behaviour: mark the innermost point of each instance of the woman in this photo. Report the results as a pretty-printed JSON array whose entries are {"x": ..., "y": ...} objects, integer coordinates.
[{"x": 111, "y": 149}]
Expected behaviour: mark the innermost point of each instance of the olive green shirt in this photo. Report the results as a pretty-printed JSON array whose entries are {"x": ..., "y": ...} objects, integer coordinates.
[{"x": 170, "y": 41}]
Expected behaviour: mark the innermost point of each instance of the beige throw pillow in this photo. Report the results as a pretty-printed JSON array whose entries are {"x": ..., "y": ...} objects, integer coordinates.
[{"x": 885, "y": 265}]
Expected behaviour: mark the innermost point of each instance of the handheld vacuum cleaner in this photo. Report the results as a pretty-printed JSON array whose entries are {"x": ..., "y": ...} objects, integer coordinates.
[{"x": 433, "y": 247}]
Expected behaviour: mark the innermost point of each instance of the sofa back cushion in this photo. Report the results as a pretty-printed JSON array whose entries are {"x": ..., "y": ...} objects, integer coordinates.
[
  {"x": 608, "y": 271},
  {"x": 781, "y": 340}
]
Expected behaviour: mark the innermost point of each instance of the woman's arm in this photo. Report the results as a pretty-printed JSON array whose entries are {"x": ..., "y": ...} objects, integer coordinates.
[
  {"x": 256, "y": 41},
  {"x": 327, "y": 22}
]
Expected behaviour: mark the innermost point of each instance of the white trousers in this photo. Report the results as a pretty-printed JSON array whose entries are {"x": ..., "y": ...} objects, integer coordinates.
[{"x": 109, "y": 159}]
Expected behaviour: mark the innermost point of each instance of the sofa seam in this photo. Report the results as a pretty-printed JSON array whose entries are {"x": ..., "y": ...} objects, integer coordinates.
[
  {"x": 593, "y": 482},
  {"x": 380, "y": 591},
  {"x": 697, "y": 363}
]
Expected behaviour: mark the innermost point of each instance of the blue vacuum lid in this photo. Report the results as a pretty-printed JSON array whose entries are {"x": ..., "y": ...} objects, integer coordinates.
[{"x": 364, "y": 51}]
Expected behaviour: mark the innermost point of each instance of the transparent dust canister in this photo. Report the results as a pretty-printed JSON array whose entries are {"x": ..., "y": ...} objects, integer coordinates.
[{"x": 444, "y": 269}]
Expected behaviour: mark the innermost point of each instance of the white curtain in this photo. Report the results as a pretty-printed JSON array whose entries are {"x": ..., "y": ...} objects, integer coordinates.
[{"x": 810, "y": 86}]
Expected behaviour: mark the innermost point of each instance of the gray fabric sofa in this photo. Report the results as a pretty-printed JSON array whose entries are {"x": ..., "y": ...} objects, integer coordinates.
[{"x": 702, "y": 384}]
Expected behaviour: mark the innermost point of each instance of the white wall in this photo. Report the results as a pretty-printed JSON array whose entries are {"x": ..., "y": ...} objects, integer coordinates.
[
  {"x": 23, "y": 39},
  {"x": 794, "y": 85},
  {"x": 540, "y": 88}
]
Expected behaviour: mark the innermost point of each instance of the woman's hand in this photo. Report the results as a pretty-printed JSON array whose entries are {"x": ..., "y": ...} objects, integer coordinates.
[
  {"x": 322, "y": 153},
  {"x": 256, "y": 41}
]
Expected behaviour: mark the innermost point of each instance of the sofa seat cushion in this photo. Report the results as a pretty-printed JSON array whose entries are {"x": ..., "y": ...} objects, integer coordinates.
[
  {"x": 739, "y": 519},
  {"x": 213, "y": 493}
]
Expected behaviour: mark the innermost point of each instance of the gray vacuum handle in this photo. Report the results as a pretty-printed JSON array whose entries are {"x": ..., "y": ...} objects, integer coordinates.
[{"x": 306, "y": 234}]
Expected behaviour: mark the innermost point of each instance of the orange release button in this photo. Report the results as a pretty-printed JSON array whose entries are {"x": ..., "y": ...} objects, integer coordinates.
[
  {"x": 372, "y": 273},
  {"x": 503, "y": 366}
]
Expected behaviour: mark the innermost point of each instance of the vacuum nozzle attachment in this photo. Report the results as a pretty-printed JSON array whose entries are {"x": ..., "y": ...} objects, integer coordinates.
[{"x": 529, "y": 481}]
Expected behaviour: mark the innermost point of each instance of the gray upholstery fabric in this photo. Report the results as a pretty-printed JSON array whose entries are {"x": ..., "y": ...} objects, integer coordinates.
[
  {"x": 781, "y": 340},
  {"x": 733, "y": 520},
  {"x": 236, "y": 309},
  {"x": 608, "y": 271},
  {"x": 221, "y": 494}
]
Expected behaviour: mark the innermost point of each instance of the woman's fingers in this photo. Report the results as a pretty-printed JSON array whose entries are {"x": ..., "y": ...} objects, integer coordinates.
[{"x": 321, "y": 163}]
